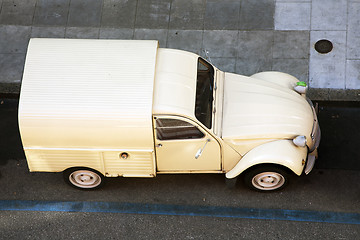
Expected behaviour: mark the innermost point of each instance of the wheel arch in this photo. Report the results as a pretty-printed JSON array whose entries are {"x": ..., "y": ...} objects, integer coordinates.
[
  {"x": 280, "y": 153},
  {"x": 72, "y": 168},
  {"x": 285, "y": 168},
  {"x": 92, "y": 168}
]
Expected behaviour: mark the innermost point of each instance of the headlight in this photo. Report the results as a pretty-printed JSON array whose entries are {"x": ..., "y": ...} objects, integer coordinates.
[
  {"x": 301, "y": 87},
  {"x": 300, "y": 141}
]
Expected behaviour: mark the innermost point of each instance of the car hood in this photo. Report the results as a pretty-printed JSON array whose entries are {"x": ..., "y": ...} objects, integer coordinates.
[{"x": 256, "y": 109}]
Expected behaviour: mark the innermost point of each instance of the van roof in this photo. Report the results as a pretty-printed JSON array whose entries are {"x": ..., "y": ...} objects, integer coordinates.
[
  {"x": 83, "y": 86},
  {"x": 175, "y": 86}
]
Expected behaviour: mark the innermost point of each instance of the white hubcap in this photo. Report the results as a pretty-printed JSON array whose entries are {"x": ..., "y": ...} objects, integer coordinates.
[
  {"x": 85, "y": 179},
  {"x": 268, "y": 181}
]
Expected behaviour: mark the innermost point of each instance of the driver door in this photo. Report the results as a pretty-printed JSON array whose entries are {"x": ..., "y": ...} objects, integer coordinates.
[{"x": 182, "y": 146}]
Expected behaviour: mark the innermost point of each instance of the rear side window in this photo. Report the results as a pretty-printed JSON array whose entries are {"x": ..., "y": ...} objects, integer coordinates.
[{"x": 172, "y": 129}]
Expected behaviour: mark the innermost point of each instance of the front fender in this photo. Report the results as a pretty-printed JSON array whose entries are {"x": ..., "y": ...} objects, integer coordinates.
[
  {"x": 280, "y": 78},
  {"x": 281, "y": 152}
]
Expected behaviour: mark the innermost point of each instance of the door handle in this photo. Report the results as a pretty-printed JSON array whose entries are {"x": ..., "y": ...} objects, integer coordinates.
[
  {"x": 200, "y": 151},
  {"x": 158, "y": 145}
]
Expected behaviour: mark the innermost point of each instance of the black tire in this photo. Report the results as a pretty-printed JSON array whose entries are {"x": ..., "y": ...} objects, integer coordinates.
[
  {"x": 83, "y": 178},
  {"x": 266, "y": 178}
]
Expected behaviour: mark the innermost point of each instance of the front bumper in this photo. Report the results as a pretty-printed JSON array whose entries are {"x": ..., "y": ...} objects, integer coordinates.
[
  {"x": 310, "y": 161},
  {"x": 315, "y": 137}
]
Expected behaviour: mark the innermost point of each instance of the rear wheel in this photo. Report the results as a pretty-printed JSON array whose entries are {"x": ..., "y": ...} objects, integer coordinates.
[
  {"x": 266, "y": 178},
  {"x": 83, "y": 178}
]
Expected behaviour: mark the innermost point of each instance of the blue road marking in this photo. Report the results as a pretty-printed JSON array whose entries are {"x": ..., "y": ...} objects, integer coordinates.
[{"x": 183, "y": 210}]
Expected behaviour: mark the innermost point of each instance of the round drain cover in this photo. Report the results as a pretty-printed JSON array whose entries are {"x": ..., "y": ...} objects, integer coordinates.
[{"x": 323, "y": 46}]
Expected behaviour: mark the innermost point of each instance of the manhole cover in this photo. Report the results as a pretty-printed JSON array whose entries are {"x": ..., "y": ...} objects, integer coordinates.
[{"x": 323, "y": 46}]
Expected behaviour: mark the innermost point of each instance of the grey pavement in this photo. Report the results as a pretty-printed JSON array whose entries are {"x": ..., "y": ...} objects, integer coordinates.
[
  {"x": 58, "y": 225},
  {"x": 240, "y": 36}
]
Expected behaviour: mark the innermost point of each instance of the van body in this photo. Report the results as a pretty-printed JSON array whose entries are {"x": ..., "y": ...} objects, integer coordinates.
[{"x": 109, "y": 108}]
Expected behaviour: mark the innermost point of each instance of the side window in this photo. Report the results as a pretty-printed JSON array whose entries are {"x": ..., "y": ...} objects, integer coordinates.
[
  {"x": 204, "y": 93},
  {"x": 172, "y": 129}
]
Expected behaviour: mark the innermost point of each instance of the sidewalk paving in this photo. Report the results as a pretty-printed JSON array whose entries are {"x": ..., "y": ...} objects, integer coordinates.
[{"x": 243, "y": 37}]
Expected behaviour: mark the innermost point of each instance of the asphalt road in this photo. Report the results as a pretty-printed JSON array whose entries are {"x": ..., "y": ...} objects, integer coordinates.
[{"x": 331, "y": 189}]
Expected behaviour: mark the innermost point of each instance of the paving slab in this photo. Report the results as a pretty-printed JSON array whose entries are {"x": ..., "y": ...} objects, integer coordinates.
[
  {"x": 285, "y": 49},
  {"x": 53, "y": 12},
  {"x": 222, "y": 15},
  {"x": 48, "y": 32},
  {"x": 255, "y": 44},
  {"x": 292, "y": 16},
  {"x": 85, "y": 13},
  {"x": 328, "y": 70},
  {"x": 225, "y": 64},
  {"x": 116, "y": 33},
  {"x": 118, "y": 13},
  {"x": 251, "y": 66},
  {"x": 353, "y": 31},
  {"x": 352, "y": 74},
  {"x": 14, "y": 39},
  {"x": 11, "y": 67},
  {"x": 82, "y": 32},
  {"x": 328, "y": 15},
  {"x": 187, "y": 15},
  {"x": 257, "y": 15},
  {"x": 291, "y": 44},
  {"x": 152, "y": 34},
  {"x": 153, "y": 14},
  {"x": 17, "y": 12},
  {"x": 293, "y": 0},
  {"x": 254, "y": 52},
  {"x": 221, "y": 43},
  {"x": 188, "y": 40},
  {"x": 296, "y": 67}
]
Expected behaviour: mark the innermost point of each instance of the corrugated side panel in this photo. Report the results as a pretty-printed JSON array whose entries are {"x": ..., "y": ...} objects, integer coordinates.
[
  {"x": 138, "y": 164},
  {"x": 59, "y": 160},
  {"x": 87, "y": 93}
]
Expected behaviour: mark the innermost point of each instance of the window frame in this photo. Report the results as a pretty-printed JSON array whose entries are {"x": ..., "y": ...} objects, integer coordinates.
[
  {"x": 193, "y": 125},
  {"x": 212, "y": 72}
]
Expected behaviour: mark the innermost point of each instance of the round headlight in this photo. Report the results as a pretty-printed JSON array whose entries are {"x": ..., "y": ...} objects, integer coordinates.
[{"x": 300, "y": 141}]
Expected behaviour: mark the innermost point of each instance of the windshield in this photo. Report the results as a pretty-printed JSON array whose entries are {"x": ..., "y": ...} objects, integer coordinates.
[{"x": 204, "y": 93}]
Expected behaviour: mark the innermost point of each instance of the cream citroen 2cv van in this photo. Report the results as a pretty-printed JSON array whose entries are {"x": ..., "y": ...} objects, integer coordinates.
[{"x": 107, "y": 108}]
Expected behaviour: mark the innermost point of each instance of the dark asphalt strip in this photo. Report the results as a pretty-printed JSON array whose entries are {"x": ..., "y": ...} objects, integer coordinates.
[{"x": 181, "y": 210}]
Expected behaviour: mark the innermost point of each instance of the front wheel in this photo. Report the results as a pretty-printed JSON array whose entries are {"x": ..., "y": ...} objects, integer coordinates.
[
  {"x": 83, "y": 178},
  {"x": 266, "y": 178}
]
